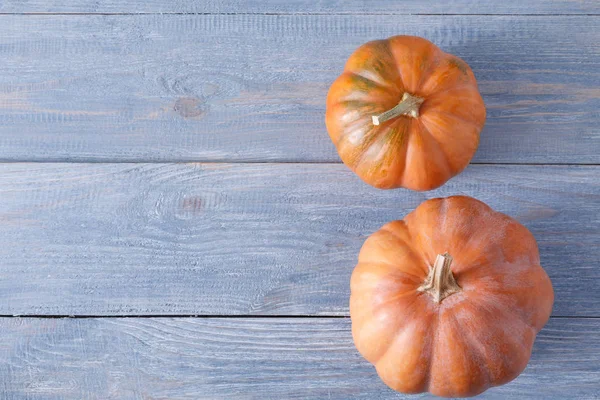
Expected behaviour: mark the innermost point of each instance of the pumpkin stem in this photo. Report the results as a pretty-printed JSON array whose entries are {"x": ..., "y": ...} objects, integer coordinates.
[
  {"x": 409, "y": 105},
  {"x": 440, "y": 282}
]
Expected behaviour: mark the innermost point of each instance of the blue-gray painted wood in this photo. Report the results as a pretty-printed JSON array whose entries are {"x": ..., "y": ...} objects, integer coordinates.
[
  {"x": 252, "y": 87},
  {"x": 304, "y": 6},
  {"x": 277, "y": 239},
  {"x": 191, "y": 358}
]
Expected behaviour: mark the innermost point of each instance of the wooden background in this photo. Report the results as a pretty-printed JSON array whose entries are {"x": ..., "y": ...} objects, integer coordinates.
[{"x": 167, "y": 183}]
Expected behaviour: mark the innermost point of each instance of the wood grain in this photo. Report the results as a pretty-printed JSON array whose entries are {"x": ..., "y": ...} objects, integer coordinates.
[
  {"x": 252, "y": 87},
  {"x": 304, "y": 6},
  {"x": 262, "y": 239},
  {"x": 191, "y": 358}
]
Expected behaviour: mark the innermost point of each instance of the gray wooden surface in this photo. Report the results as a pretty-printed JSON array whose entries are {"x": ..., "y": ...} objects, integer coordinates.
[
  {"x": 252, "y": 87},
  {"x": 277, "y": 239},
  {"x": 229, "y": 279},
  {"x": 542, "y": 7},
  {"x": 299, "y": 358}
]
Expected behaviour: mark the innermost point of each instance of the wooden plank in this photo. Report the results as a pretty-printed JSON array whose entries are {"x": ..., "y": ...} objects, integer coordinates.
[
  {"x": 304, "y": 6},
  {"x": 191, "y": 358},
  {"x": 263, "y": 239},
  {"x": 252, "y": 87}
]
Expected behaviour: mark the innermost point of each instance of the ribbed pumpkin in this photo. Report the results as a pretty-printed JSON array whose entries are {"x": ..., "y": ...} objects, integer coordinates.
[
  {"x": 405, "y": 114},
  {"x": 450, "y": 299}
]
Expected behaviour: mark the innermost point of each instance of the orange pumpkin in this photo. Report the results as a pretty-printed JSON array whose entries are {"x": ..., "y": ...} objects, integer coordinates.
[
  {"x": 449, "y": 300},
  {"x": 405, "y": 114}
]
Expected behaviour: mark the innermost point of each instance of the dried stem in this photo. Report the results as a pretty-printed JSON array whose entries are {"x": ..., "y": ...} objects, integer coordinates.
[
  {"x": 409, "y": 105},
  {"x": 440, "y": 282}
]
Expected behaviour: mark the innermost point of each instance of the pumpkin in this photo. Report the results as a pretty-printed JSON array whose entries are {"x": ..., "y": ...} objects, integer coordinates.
[
  {"x": 405, "y": 114},
  {"x": 450, "y": 299}
]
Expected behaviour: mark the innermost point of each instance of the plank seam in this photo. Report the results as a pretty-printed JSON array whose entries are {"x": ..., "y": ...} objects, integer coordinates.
[
  {"x": 250, "y": 162},
  {"x": 216, "y": 316},
  {"x": 199, "y": 316},
  {"x": 299, "y": 13}
]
